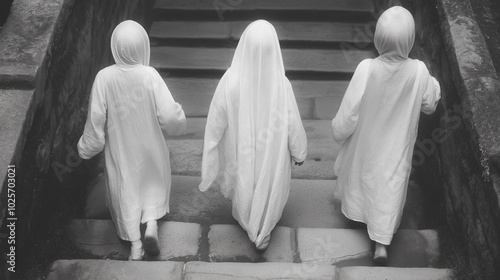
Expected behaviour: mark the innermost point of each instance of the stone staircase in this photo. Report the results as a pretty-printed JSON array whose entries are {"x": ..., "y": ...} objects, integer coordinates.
[{"x": 192, "y": 45}]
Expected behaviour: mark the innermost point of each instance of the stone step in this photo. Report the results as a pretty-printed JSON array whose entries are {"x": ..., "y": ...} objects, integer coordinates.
[
  {"x": 260, "y": 5},
  {"x": 110, "y": 269},
  {"x": 170, "y": 59},
  {"x": 348, "y": 247},
  {"x": 178, "y": 241},
  {"x": 230, "y": 243},
  {"x": 186, "y": 150},
  {"x": 311, "y": 204},
  {"x": 316, "y": 99},
  {"x": 115, "y": 270},
  {"x": 393, "y": 273},
  {"x": 256, "y": 271},
  {"x": 325, "y": 32}
]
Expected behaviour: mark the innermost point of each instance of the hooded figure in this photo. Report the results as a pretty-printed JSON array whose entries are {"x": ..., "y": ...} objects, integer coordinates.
[
  {"x": 129, "y": 106},
  {"x": 252, "y": 134},
  {"x": 377, "y": 127}
]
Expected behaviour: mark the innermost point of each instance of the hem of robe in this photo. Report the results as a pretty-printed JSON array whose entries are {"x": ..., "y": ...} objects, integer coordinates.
[
  {"x": 147, "y": 214},
  {"x": 153, "y": 213},
  {"x": 382, "y": 239}
]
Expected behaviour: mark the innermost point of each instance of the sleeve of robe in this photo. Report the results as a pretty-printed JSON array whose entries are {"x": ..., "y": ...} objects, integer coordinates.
[
  {"x": 214, "y": 130},
  {"x": 346, "y": 120},
  {"x": 432, "y": 92},
  {"x": 297, "y": 139},
  {"x": 170, "y": 114},
  {"x": 93, "y": 138}
]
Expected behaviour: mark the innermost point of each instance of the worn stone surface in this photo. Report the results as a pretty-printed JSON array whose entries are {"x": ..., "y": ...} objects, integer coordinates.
[
  {"x": 257, "y": 271},
  {"x": 315, "y": 99},
  {"x": 25, "y": 40},
  {"x": 332, "y": 246},
  {"x": 414, "y": 248},
  {"x": 311, "y": 204},
  {"x": 465, "y": 40},
  {"x": 231, "y": 243},
  {"x": 315, "y": 5},
  {"x": 178, "y": 240},
  {"x": 391, "y": 273},
  {"x": 472, "y": 187},
  {"x": 99, "y": 238},
  {"x": 186, "y": 150},
  {"x": 15, "y": 117},
  {"x": 287, "y": 31},
  {"x": 108, "y": 269},
  {"x": 347, "y": 247},
  {"x": 168, "y": 58}
]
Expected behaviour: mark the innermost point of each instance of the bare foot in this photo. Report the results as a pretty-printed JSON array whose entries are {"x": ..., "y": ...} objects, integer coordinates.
[
  {"x": 136, "y": 251},
  {"x": 151, "y": 244},
  {"x": 380, "y": 255}
]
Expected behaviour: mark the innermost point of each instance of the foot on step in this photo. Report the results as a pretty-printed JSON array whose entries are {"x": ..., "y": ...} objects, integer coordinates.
[
  {"x": 136, "y": 251},
  {"x": 151, "y": 244},
  {"x": 380, "y": 255}
]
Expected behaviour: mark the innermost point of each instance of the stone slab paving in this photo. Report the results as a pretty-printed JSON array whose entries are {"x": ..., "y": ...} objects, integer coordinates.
[
  {"x": 281, "y": 5},
  {"x": 115, "y": 270},
  {"x": 177, "y": 240},
  {"x": 257, "y": 271},
  {"x": 391, "y": 273},
  {"x": 24, "y": 47},
  {"x": 231, "y": 243},
  {"x": 420, "y": 248},
  {"x": 186, "y": 158},
  {"x": 331, "y": 246},
  {"x": 186, "y": 151},
  {"x": 14, "y": 119},
  {"x": 167, "y": 58},
  {"x": 311, "y": 204},
  {"x": 316, "y": 99},
  {"x": 99, "y": 238},
  {"x": 287, "y": 31},
  {"x": 347, "y": 247}
]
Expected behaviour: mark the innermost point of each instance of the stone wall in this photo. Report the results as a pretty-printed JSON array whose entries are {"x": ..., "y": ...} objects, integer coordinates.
[
  {"x": 49, "y": 56},
  {"x": 457, "y": 154}
]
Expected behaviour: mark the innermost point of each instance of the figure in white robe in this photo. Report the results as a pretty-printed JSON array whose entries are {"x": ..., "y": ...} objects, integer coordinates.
[
  {"x": 129, "y": 106},
  {"x": 377, "y": 127},
  {"x": 253, "y": 133}
]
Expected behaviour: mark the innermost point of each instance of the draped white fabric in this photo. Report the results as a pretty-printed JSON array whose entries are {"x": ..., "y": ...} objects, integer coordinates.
[
  {"x": 253, "y": 131},
  {"x": 129, "y": 106},
  {"x": 377, "y": 126}
]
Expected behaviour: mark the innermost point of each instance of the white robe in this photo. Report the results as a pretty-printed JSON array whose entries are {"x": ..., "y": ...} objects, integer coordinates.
[
  {"x": 253, "y": 131},
  {"x": 377, "y": 126},
  {"x": 129, "y": 106}
]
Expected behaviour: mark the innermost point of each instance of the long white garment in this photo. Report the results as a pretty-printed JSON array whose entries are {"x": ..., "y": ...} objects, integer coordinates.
[
  {"x": 129, "y": 106},
  {"x": 253, "y": 130},
  {"x": 377, "y": 126}
]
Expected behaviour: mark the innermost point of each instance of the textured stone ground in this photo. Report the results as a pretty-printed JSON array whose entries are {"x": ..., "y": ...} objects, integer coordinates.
[{"x": 199, "y": 238}]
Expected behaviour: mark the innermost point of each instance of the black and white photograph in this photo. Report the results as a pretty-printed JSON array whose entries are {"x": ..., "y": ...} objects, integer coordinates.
[{"x": 250, "y": 139}]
